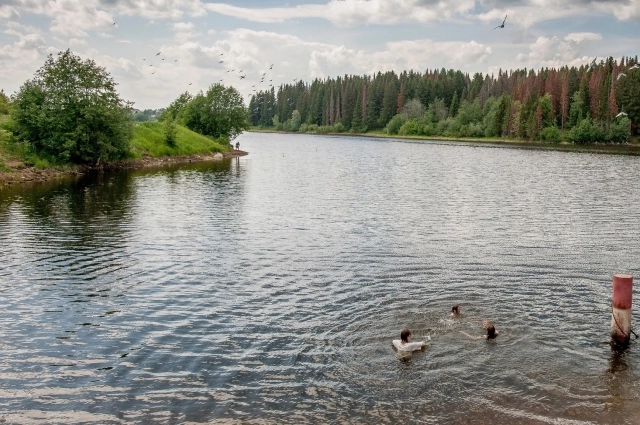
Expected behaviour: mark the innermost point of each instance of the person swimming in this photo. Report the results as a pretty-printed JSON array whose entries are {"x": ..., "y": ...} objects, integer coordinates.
[
  {"x": 492, "y": 333},
  {"x": 455, "y": 311},
  {"x": 405, "y": 344}
]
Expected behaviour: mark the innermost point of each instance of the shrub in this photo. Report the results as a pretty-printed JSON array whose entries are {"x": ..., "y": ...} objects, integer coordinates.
[
  {"x": 586, "y": 132},
  {"x": 620, "y": 131},
  {"x": 410, "y": 128},
  {"x": 550, "y": 134}
]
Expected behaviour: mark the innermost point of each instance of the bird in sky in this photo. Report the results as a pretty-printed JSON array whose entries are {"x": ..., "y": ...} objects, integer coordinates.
[
  {"x": 144, "y": 59},
  {"x": 502, "y": 25},
  {"x": 221, "y": 54},
  {"x": 150, "y": 65},
  {"x": 153, "y": 72},
  {"x": 622, "y": 114},
  {"x": 242, "y": 77},
  {"x": 163, "y": 58},
  {"x": 271, "y": 67},
  {"x": 622, "y": 74},
  {"x": 233, "y": 70},
  {"x": 190, "y": 83},
  {"x": 158, "y": 54},
  {"x": 295, "y": 79},
  {"x": 114, "y": 23},
  {"x": 221, "y": 62},
  {"x": 176, "y": 60}
]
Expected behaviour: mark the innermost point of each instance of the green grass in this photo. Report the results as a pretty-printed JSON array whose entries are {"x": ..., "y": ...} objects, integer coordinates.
[{"x": 149, "y": 140}]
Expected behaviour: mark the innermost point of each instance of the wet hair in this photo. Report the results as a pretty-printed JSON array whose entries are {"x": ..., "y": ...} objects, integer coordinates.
[
  {"x": 455, "y": 309},
  {"x": 404, "y": 335},
  {"x": 491, "y": 331}
]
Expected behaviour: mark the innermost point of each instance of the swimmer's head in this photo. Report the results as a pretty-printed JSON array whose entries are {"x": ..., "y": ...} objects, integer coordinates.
[
  {"x": 405, "y": 335},
  {"x": 455, "y": 309},
  {"x": 491, "y": 330}
]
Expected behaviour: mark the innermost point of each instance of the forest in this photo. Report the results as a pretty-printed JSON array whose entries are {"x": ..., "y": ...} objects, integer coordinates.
[{"x": 596, "y": 103}]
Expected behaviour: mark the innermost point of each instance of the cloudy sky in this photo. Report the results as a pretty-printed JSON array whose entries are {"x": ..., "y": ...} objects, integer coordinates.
[{"x": 304, "y": 39}]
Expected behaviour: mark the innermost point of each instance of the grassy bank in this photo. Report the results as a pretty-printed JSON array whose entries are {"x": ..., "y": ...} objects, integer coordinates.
[
  {"x": 630, "y": 149},
  {"x": 148, "y": 140},
  {"x": 20, "y": 163}
]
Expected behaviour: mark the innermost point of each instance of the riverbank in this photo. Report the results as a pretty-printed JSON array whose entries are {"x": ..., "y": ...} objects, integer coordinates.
[
  {"x": 630, "y": 149},
  {"x": 148, "y": 149},
  {"x": 16, "y": 172}
]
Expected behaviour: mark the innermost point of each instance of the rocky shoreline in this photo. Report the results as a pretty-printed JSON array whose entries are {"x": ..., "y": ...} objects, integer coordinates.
[{"x": 19, "y": 173}]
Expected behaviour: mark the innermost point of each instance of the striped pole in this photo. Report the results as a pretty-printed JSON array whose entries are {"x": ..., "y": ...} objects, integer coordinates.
[{"x": 621, "y": 308}]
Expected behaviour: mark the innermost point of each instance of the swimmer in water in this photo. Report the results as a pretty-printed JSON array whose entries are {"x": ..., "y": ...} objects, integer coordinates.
[
  {"x": 405, "y": 344},
  {"x": 491, "y": 331},
  {"x": 455, "y": 311}
]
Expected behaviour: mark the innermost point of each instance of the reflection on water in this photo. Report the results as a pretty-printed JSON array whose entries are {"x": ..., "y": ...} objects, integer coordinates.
[{"x": 270, "y": 287}]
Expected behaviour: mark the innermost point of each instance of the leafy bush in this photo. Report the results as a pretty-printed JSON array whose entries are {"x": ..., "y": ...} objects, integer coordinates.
[
  {"x": 410, "y": 128},
  {"x": 550, "y": 134},
  {"x": 170, "y": 132},
  {"x": 71, "y": 111},
  {"x": 393, "y": 127},
  {"x": 620, "y": 131},
  {"x": 586, "y": 132}
]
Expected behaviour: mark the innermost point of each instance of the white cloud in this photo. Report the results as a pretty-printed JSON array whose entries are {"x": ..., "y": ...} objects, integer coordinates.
[
  {"x": 77, "y": 42},
  {"x": 578, "y": 37},
  {"x": 556, "y": 52},
  {"x": 105, "y": 35},
  {"x": 353, "y": 12},
  {"x": 183, "y": 26},
  {"x": 9, "y": 13},
  {"x": 123, "y": 41}
]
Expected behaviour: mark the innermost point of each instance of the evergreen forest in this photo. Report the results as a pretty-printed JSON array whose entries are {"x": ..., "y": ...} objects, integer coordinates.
[{"x": 596, "y": 103}]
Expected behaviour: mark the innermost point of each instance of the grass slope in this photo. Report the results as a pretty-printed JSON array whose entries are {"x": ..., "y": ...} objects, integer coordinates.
[{"x": 149, "y": 140}]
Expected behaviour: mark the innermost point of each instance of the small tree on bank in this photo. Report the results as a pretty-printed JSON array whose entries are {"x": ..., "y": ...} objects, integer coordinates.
[{"x": 70, "y": 110}]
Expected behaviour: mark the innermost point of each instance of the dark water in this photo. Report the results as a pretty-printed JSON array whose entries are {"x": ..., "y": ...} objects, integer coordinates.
[{"x": 269, "y": 288}]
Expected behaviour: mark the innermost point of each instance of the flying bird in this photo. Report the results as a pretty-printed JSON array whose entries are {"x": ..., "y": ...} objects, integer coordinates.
[
  {"x": 176, "y": 60},
  {"x": 190, "y": 83},
  {"x": 242, "y": 77},
  {"x": 221, "y": 62},
  {"x": 221, "y": 54},
  {"x": 271, "y": 67},
  {"x": 295, "y": 79},
  {"x": 158, "y": 54},
  {"x": 240, "y": 71},
  {"x": 622, "y": 74},
  {"x": 114, "y": 23},
  {"x": 153, "y": 72},
  {"x": 502, "y": 25},
  {"x": 622, "y": 114},
  {"x": 144, "y": 59},
  {"x": 163, "y": 58}
]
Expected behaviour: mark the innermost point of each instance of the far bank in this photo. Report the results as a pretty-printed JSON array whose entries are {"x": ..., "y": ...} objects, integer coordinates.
[{"x": 610, "y": 149}]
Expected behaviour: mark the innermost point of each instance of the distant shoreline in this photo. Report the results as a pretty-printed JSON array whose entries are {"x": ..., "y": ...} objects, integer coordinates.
[
  {"x": 609, "y": 149},
  {"x": 20, "y": 174}
]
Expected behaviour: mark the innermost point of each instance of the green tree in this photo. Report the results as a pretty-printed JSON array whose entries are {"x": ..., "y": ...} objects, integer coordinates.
[
  {"x": 219, "y": 112},
  {"x": 296, "y": 120},
  {"x": 4, "y": 103},
  {"x": 71, "y": 111},
  {"x": 170, "y": 132},
  {"x": 176, "y": 107}
]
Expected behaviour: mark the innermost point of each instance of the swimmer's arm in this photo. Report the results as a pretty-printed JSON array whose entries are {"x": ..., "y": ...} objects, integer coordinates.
[{"x": 471, "y": 336}]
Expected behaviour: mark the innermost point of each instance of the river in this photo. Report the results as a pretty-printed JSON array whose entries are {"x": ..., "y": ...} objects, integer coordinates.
[{"x": 268, "y": 288}]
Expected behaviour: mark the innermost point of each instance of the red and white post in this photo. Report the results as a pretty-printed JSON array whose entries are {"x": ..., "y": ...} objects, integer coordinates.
[{"x": 621, "y": 308}]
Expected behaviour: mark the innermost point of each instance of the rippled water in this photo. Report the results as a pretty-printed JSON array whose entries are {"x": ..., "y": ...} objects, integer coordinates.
[{"x": 269, "y": 288}]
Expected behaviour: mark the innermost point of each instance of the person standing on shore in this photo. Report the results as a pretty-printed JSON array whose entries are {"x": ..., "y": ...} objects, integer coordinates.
[{"x": 237, "y": 146}]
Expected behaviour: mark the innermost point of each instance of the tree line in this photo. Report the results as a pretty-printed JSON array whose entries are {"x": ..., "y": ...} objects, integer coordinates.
[{"x": 599, "y": 103}]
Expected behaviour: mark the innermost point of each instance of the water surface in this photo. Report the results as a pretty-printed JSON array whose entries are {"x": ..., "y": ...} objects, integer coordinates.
[{"x": 268, "y": 288}]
